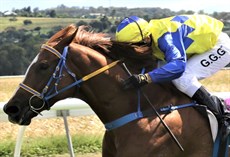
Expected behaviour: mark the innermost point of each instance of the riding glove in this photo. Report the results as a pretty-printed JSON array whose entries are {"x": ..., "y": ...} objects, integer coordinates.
[{"x": 136, "y": 81}]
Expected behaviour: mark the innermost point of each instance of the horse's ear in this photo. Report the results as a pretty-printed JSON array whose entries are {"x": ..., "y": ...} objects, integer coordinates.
[
  {"x": 63, "y": 36},
  {"x": 66, "y": 39}
]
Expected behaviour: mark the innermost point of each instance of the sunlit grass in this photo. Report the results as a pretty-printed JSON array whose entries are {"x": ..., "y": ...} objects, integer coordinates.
[
  {"x": 220, "y": 82},
  {"x": 8, "y": 86}
]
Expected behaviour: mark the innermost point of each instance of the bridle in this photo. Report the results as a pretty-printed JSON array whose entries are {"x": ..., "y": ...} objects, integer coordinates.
[{"x": 49, "y": 92}]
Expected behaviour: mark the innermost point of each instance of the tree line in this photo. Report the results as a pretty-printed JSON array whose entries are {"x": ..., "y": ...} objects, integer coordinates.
[{"x": 19, "y": 47}]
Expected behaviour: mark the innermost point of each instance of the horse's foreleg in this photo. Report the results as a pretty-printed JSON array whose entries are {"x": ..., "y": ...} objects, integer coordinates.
[{"x": 108, "y": 147}]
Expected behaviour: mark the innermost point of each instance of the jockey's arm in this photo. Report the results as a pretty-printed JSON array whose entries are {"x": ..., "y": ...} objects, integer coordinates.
[{"x": 175, "y": 56}]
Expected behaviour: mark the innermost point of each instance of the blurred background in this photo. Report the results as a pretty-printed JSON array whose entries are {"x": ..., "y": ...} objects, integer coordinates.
[{"x": 26, "y": 24}]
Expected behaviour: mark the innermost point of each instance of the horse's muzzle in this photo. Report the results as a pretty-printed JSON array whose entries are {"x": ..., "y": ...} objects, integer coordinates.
[{"x": 17, "y": 116}]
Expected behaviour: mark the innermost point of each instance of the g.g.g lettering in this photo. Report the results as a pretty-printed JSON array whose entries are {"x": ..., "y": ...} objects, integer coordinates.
[
  {"x": 213, "y": 57},
  {"x": 220, "y": 51}
]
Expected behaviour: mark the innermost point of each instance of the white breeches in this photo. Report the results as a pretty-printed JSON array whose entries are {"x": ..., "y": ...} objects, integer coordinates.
[{"x": 204, "y": 65}]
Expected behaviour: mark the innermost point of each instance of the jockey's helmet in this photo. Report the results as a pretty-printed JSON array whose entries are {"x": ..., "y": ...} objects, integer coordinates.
[{"x": 132, "y": 29}]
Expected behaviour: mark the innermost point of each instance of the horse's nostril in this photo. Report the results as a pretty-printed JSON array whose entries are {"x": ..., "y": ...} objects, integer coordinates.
[{"x": 11, "y": 110}]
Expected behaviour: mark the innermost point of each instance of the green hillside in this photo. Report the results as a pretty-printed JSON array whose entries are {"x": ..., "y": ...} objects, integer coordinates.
[{"x": 45, "y": 23}]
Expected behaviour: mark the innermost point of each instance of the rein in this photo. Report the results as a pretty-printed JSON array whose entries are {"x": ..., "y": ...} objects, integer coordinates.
[{"x": 47, "y": 92}]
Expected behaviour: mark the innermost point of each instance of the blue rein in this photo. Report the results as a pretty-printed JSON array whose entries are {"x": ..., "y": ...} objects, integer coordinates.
[{"x": 48, "y": 93}]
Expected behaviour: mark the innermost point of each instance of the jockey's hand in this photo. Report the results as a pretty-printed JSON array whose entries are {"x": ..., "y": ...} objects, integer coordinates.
[{"x": 136, "y": 81}]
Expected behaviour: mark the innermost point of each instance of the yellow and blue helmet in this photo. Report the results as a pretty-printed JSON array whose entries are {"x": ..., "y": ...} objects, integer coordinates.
[{"x": 132, "y": 29}]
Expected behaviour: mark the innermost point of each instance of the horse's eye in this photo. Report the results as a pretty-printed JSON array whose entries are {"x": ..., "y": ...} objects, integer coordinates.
[{"x": 44, "y": 64}]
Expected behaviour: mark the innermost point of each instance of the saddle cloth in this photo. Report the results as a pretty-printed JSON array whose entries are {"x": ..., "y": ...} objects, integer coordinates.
[
  {"x": 213, "y": 124},
  {"x": 213, "y": 121}
]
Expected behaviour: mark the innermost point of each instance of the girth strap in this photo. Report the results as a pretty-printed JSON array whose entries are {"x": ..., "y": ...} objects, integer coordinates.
[{"x": 139, "y": 114}]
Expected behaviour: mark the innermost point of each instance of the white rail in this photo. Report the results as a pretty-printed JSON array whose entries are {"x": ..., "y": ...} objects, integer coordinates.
[
  {"x": 75, "y": 107},
  {"x": 68, "y": 107}
]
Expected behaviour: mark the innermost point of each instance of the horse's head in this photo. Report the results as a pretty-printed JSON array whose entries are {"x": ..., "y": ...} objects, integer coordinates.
[
  {"x": 71, "y": 57},
  {"x": 42, "y": 79}
]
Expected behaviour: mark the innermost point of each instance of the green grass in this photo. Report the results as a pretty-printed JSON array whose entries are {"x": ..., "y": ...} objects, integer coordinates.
[
  {"x": 45, "y": 23},
  {"x": 50, "y": 146}
]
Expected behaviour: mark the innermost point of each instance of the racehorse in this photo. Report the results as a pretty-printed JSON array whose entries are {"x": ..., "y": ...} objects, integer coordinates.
[{"x": 79, "y": 63}]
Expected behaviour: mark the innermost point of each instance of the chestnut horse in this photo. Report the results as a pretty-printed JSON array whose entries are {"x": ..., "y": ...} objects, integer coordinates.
[{"x": 79, "y": 63}]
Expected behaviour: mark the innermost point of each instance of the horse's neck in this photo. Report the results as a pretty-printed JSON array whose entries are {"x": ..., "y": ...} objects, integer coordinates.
[
  {"x": 104, "y": 92},
  {"x": 110, "y": 101}
]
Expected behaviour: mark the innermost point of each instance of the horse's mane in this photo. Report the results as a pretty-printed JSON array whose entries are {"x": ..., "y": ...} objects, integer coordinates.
[
  {"x": 89, "y": 38},
  {"x": 103, "y": 42}
]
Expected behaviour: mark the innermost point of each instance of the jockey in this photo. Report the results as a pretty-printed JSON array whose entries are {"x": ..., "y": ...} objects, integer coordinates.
[{"x": 193, "y": 47}]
